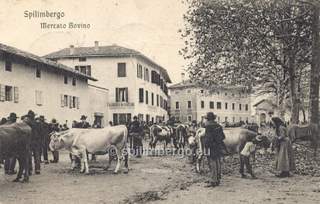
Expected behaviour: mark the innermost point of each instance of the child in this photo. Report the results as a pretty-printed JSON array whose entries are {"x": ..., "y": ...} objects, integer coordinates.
[{"x": 247, "y": 150}]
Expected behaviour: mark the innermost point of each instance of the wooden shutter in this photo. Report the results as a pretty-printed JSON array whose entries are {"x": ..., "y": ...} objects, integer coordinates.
[
  {"x": 2, "y": 92},
  {"x": 16, "y": 94},
  {"x": 117, "y": 95},
  {"x": 70, "y": 101},
  {"x": 62, "y": 100},
  {"x": 127, "y": 95},
  {"x": 78, "y": 102}
]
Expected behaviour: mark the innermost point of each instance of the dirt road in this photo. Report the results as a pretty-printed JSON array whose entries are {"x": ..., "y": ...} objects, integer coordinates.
[{"x": 153, "y": 179}]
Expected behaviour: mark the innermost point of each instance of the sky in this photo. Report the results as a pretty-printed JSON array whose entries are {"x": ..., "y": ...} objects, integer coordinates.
[{"x": 149, "y": 26}]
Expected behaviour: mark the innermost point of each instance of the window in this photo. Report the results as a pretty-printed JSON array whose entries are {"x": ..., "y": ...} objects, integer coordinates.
[
  {"x": 189, "y": 104},
  {"x": 232, "y": 106},
  {"x": 74, "y": 102},
  {"x": 82, "y": 59},
  {"x": 226, "y": 119},
  {"x": 122, "y": 70},
  {"x": 226, "y": 106},
  {"x": 139, "y": 71},
  {"x": 38, "y": 73},
  {"x": 65, "y": 101},
  {"x": 201, "y": 91},
  {"x": 218, "y": 105},
  {"x": 161, "y": 102},
  {"x": 8, "y": 93},
  {"x": 84, "y": 69},
  {"x": 202, "y": 104},
  {"x": 177, "y": 105},
  {"x": 152, "y": 98},
  {"x": 233, "y": 119},
  {"x": 74, "y": 81},
  {"x": 39, "y": 99},
  {"x": 157, "y": 100},
  {"x": 226, "y": 94},
  {"x": 8, "y": 65},
  {"x": 122, "y": 95},
  {"x": 189, "y": 118},
  {"x": 155, "y": 77},
  {"x": 147, "y": 97},
  {"x": 141, "y": 95},
  {"x": 65, "y": 79},
  {"x": 247, "y": 107},
  {"x": 211, "y": 104},
  {"x": 240, "y": 107}
]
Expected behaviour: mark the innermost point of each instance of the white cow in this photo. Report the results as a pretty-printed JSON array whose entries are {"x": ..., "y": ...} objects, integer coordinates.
[{"x": 78, "y": 142}]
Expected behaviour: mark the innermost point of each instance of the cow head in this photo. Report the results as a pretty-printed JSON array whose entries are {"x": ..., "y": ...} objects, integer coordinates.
[{"x": 56, "y": 141}]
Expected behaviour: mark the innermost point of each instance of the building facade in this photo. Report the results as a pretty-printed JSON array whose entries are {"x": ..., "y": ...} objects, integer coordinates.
[
  {"x": 137, "y": 85},
  {"x": 191, "y": 102},
  {"x": 48, "y": 88}
]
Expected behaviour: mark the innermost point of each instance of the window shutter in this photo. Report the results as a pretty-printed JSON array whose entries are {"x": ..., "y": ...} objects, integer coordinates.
[
  {"x": 78, "y": 102},
  {"x": 117, "y": 95},
  {"x": 2, "y": 92},
  {"x": 127, "y": 95},
  {"x": 62, "y": 100},
  {"x": 70, "y": 101},
  {"x": 16, "y": 94}
]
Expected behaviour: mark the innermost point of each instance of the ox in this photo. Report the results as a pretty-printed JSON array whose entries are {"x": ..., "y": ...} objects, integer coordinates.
[
  {"x": 181, "y": 132},
  {"x": 160, "y": 133},
  {"x": 15, "y": 140},
  {"x": 235, "y": 139},
  {"x": 309, "y": 132},
  {"x": 112, "y": 140}
]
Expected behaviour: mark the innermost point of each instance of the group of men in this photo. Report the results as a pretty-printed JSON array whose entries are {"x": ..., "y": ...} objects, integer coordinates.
[{"x": 40, "y": 139}]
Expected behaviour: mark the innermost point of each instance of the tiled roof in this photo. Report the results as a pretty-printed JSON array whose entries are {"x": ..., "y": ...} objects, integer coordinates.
[
  {"x": 189, "y": 83},
  {"x": 49, "y": 63},
  {"x": 104, "y": 51}
]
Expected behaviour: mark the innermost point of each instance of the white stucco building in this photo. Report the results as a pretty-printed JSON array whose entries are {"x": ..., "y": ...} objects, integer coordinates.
[
  {"x": 29, "y": 82},
  {"x": 191, "y": 102},
  {"x": 137, "y": 85}
]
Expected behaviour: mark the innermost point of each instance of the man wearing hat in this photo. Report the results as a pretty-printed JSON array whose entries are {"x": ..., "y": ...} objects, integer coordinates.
[
  {"x": 10, "y": 164},
  {"x": 213, "y": 142},
  {"x": 54, "y": 127},
  {"x": 45, "y": 138},
  {"x": 135, "y": 136},
  {"x": 35, "y": 140},
  {"x": 84, "y": 123}
]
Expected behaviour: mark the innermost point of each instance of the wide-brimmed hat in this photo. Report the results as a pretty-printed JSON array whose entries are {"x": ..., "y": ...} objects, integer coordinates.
[
  {"x": 210, "y": 116},
  {"x": 259, "y": 138},
  {"x": 42, "y": 118},
  {"x": 83, "y": 117},
  {"x": 12, "y": 116},
  {"x": 30, "y": 114},
  {"x": 135, "y": 118}
]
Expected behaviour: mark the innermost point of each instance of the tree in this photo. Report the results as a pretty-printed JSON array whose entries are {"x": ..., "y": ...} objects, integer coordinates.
[{"x": 247, "y": 41}]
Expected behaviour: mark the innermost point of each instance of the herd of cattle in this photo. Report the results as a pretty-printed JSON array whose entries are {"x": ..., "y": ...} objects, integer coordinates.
[{"x": 15, "y": 141}]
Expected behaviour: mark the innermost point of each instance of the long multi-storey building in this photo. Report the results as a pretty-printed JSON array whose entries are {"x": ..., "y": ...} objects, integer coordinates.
[
  {"x": 137, "y": 85},
  {"x": 189, "y": 101},
  {"x": 48, "y": 88}
]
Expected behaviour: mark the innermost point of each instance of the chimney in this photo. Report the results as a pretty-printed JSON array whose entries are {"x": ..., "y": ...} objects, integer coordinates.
[
  {"x": 71, "y": 49},
  {"x": 96, "y": 45},
  {"x": 182, "y": 77}
]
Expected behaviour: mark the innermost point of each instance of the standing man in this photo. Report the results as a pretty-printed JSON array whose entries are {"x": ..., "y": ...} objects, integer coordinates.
[
  {"x": 84, "y": 123},
  {"x": 45, "y": 138},
  {"x": 213, "y": 142},
  {"x": 54, "y": 127},
  {"x": 135, "y": 132},
  {"x": 10, "y": 164},
  {"x": 35, "y": 141}
]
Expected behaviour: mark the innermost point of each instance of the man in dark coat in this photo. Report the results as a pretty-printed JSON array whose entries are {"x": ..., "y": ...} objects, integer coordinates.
[
  {"x": 84, "y": 123},
  {"x": 45, "y": 138},
  {"x": 135, "y": 133},
  {"x": 10, "y": 164},
  {"x": 54, "y": 127},
  {"x": 214, "y": 145},
  {"x": 35, "y": 141}
]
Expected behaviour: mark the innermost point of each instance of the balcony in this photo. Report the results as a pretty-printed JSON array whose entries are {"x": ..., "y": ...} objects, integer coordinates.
[{"x": 120, "y": 105}]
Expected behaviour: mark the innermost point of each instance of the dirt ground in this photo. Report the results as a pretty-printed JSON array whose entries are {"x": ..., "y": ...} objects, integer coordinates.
[{"x": 165, "y": 179}]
